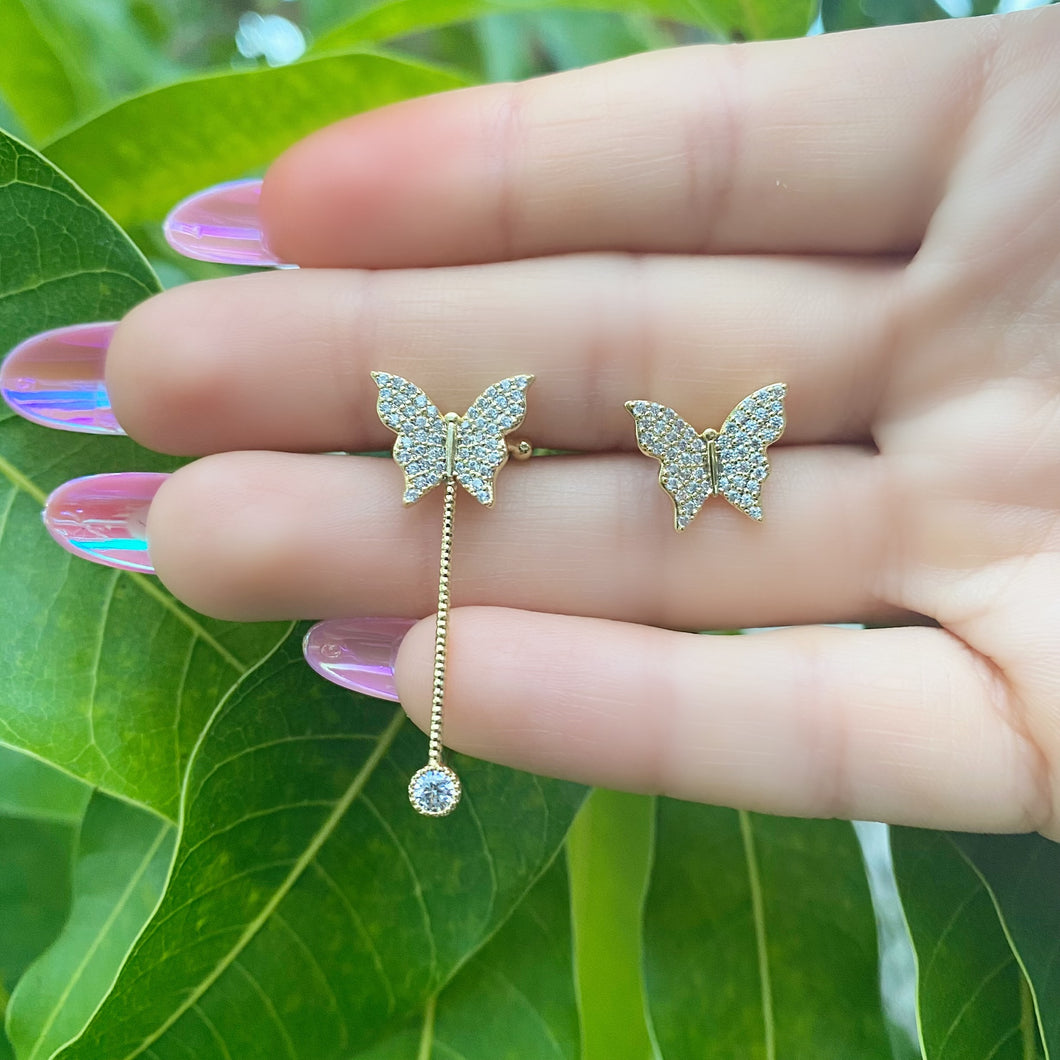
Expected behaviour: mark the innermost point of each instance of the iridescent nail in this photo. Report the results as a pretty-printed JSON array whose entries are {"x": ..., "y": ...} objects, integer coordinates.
[
  {"x": 221, "y": 224},
  {"x": 103, "y": 518},
  {"x": 358, "y": 653},
  {"x": 56, "y": 379}
]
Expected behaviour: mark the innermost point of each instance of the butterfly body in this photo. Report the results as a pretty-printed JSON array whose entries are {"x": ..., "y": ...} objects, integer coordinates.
[
  {"x": 432, "y": 447},
  {"x": 730, "y": 462}
]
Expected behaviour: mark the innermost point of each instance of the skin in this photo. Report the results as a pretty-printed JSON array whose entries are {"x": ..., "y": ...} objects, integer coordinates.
[{"x": 873, "y": 218}]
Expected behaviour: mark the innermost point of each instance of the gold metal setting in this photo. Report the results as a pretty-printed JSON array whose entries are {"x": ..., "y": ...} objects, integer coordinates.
[
  {"x": 432, "y": 448},
  {"x": 731, "y": 462}
]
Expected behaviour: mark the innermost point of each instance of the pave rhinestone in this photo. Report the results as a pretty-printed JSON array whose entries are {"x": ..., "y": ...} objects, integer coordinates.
[{"x": 434, "y": 791}]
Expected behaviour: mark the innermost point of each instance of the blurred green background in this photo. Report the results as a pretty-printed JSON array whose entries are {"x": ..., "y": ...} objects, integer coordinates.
[{"x": 95, "y": 53}]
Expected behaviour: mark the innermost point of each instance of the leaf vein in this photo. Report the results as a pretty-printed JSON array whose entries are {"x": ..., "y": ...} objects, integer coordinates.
[
  {"x": 270, "y": 1008},
  {"x": 256, "y": 815},
  {"x": 358, "y": 923},
  {"x": 97, "y": 659},
  {"x": 970, "y": 999},
  {"x": 341, "y": 737},
  {"x": 417, "y": 886},
  {"x": 321, "y": 975},
  {"x": 212, "y": 1031}
]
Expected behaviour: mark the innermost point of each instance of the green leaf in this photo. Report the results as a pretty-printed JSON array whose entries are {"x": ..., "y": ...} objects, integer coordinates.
[
  {"x": 113, "y": 52},
  {"x": 759, "y": 938},
  {"x": 516, "y": 46},
  {"x": 101, "y": 672},
  {"x": 580, "y": 38},
  {"x": 123, "y": 856},
  {"x": 859, "y": 14},
  {"x": 513, "y": 1000},
  {"x": 138, "y": 158},
  {"x": 750, "y": 19},
  {"x": 34, "y": 889},
  {"x": 310, "y": 909},
  {"x": 35, "y": 78},
  {"x": 35, "y": 858},
  {"x": 758, "y": 19},
  {"x": 1022, "y": 874},
  {"x": 34, "y": 789},
  {"x": 40, "y": 814},
  {"x": 609, "y": 855},
  {"x": 509, "y": 49},
  {"x": 971, "y": 995},
  {"x": 64, "y": 260}
]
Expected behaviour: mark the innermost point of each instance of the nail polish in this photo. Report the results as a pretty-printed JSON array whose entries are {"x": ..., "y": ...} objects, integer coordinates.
[
  {"x": 103, "y": 518},
  {"x": 358, "y": 653},
  {"x": 221, "y": 224},
  {"x": 56, "y": 379}
]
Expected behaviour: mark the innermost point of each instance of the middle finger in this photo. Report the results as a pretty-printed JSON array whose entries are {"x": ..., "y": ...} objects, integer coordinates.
[{"x": 281, "y": 360}]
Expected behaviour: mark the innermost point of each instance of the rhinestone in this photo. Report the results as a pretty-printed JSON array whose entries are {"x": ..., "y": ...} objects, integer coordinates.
[{"x": 434, "y": 791}]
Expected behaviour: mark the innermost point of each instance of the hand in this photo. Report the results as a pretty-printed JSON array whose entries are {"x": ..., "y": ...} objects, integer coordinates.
[{"x": 871, "y": 218}]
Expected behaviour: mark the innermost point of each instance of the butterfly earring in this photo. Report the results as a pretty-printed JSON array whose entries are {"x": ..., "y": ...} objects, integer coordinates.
[
  {"x": 695, "y": 465},
  {"x": 431, "y": 449}
]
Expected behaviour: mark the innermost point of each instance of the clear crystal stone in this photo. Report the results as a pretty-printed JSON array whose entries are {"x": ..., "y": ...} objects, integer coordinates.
[{"x": 434, "y": 790}]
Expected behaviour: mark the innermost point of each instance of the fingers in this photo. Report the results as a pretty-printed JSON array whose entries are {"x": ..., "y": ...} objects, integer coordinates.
[
  {"x": 267, "y": 535},
  {"x": 900, "y": 725},
  {"x": 836, "y": 143},
  {"x": 282, "y": 360}
]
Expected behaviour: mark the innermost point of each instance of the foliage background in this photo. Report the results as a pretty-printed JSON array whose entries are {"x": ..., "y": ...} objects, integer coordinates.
[{"x": 205, "y": 850}]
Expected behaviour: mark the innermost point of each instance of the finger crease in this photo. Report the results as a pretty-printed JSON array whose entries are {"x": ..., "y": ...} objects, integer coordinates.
[
  {"x": 713, "y": 134},
  {"x": 1010, "y": 708},
  {"x": 510, "y": 134}
]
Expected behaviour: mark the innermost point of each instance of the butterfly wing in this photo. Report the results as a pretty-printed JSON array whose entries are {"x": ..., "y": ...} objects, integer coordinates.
[
  {"x": 757, "y": 422},
  {"x": 420, "y": 430},
  {"x": 480, "y": 448},
  {"x": 682, "y": 456}
]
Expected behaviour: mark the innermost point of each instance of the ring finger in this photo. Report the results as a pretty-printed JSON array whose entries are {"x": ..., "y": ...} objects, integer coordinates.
[{"x": 266, "y": 535}]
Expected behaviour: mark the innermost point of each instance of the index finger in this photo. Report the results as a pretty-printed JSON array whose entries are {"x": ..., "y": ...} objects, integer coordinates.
[{"x": 837, "y": 144}]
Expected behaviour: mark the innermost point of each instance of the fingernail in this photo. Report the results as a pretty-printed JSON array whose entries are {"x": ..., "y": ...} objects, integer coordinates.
[
  {"x": 56, "y": 378},
  {"x": 222, "y": 224},
  {"x": 358, "y": 653},
  {"x": 103, "y": 518}
]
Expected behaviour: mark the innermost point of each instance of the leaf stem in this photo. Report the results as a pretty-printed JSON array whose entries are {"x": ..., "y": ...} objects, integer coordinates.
[
  {"x": 18, "y": 480},
  {"x": 427, "y": 1034},
  {"x": 758, "y": 911},
  {"x": 1028, "y": 1024}
]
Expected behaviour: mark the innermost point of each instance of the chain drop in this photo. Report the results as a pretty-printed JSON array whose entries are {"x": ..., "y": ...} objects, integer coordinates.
[{"x": 441, "y": 626}]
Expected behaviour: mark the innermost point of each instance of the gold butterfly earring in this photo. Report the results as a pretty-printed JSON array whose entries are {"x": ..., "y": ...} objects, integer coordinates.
[
  {"x": 431, "y": 449},
  {"x": 732, "y": 461}
]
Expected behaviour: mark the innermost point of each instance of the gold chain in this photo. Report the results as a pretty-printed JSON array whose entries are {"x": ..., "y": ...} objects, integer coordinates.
[{"x": 441, "y": 625}]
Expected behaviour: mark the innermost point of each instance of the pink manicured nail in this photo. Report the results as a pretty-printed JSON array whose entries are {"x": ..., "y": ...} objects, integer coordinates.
[
  {"x": 56, "y": 378},
  {"x": 103, "y": 518},
  {"x": 222, "y": 224},
  {"x": 358, "y": 653}
]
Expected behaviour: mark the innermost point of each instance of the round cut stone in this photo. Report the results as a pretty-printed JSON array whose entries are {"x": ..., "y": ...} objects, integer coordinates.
[{"x": 434, "y": 791}]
